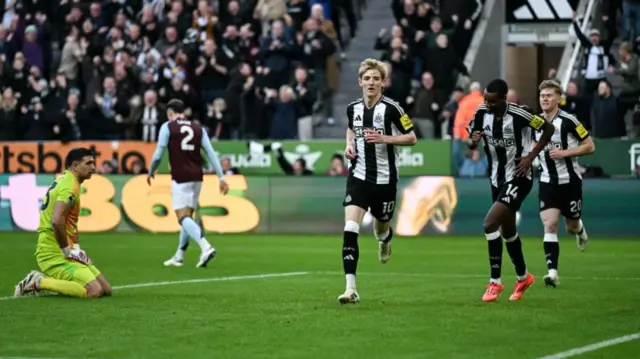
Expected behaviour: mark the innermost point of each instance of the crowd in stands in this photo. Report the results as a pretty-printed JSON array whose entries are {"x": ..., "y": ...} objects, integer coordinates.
[
  {"x": 606, "y": 94},
  {"x": 103, "y": 70},
  {"x": 425, "y": 51}
]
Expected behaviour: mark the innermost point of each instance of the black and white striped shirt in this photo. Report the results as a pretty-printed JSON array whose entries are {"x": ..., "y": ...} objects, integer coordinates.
[
  {"x": 506, "y": 139},
  {"x": 568, "y": 133},
  {"x": 376, "y": 163}
]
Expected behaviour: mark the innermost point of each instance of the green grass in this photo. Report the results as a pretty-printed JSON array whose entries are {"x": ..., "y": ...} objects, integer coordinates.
[{"x": 425, "y": 303}]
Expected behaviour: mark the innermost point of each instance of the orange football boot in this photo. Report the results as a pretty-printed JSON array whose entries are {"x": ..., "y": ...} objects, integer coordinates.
[
  {"x": 521, "y": 286},
  {"x": 493, "y": 292}
]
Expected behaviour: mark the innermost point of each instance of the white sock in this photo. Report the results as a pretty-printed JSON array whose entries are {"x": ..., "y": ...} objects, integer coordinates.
[
  {"x": 582, "y": 232},
  {"x": 182, "y": 244},
  {"x": 351, "y": 281},
  {"x": 553, "y": 273},
  {"x": 179, "y": 254},
  {"x": 193, "y": 230},
  {"x": 495, "y": 280},
  {"x": 204, "y": 244},
  {"x": 523, "y": 277}
]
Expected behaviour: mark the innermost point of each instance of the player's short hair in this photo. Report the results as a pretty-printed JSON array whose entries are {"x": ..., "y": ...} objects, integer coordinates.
[
  {"x": 77, "y": 154},
  {"x": 373, "y": 64},
  {"x": 498, "y": 86},
  {"x": 551, "y": 85},
  {"x": 176, "y": 106}
]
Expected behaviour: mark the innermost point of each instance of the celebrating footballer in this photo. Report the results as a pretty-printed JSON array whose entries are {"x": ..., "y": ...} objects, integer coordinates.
[
  {"x": 506, "y": 130},
  {"x": 377, "y": 124},
  {"x": 560, "y": 188}
]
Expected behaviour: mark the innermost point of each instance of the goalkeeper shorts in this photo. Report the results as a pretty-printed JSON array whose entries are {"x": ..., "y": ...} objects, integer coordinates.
[{"x": 55, "y": 265}]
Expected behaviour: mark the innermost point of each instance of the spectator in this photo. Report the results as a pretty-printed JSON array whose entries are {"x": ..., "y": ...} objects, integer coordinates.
[
  {"x": 38, "y": 125},
  {"x": 444, "y": 64},
  {"x": 578, "y": 104},
  {"x": 464, "y": 115},
  {"x": 607, "y": 121},
  {"x": 148, "y": 118},
  {"x": 629, "y": 70},
  {"x": 449, "y": 112},
  {"x": 107, "y": 168},
  {"x": 212, "y": 71},
  {"x": 9, "y": 116},
  {"x": 73, "y": 118},
  {"x": 32, "y": 46},
  {"x": 138, "y": 168},
  {"x": 597, "y": 56},
  {"x": 338, "y": 167},
  {"x": 277, "y": 51},
  {"x": 427, "y": 103},
  {"x": 217, "y": 120},
  {"x": 108, "y": 107},
  {"x": 227, "y": 168},
  {"x": 306, "y": 96},
  {"x": 473, "y": 165},
  {"x": 466, "y": 110},
  {"x": 72, "y": 54},
  {"x": 285, "y": 118},
  {"x": 317, "y": 47}
]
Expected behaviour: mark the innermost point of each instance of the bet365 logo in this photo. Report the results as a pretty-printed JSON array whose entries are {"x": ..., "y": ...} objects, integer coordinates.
[{"x": 634, "y": 154}]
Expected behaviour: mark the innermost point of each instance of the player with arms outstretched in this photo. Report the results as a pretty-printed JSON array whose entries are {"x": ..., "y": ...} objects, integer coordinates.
[
  {"x": 560, "y": 188},
  {"x": 506, "y": 129},
  {"x": 185, "y": 139},
  {"x": 377, "y": 125},
  {"x": 66, "y": 268}
]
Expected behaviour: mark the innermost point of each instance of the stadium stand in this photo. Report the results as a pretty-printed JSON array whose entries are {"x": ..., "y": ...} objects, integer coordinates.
[
  {"x": 603, "y": 84},
  {"x": 103, "y": 70},
  {"x": 425, "y": 51},
  {"x": 249, "y": 69}
]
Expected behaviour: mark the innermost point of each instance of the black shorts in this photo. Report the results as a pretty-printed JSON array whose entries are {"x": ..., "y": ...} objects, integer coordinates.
[
  {"x": 565, "y": 197},
  {"x": 380, "y": 198},
  {"x": 512, "y": 193}
]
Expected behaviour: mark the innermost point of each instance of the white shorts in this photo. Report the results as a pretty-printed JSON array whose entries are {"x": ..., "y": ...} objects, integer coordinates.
[{"x": 186, "y": 194}]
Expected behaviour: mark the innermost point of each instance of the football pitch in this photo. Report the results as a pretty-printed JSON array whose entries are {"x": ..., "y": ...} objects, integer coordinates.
[{"x": 269, "y": 296}]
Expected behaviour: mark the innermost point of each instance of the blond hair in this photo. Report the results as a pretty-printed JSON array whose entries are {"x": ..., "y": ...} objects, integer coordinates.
[
  {"x": 373, "y": 64},
  {"x": 551, "y": 84}
]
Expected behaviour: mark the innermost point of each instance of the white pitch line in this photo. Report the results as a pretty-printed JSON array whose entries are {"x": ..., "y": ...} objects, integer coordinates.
[
  {"x": 461, "y": 275},
  {"x": 191, "y": 281},
  {"x": 593, "y": 347}
]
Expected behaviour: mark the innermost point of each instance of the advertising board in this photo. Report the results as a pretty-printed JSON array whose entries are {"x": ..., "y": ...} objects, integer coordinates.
[{"x": 426, "y": 205}]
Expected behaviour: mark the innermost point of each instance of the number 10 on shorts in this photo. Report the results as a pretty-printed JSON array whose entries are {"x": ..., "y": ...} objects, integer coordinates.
[{"x": 388, "y": 207}]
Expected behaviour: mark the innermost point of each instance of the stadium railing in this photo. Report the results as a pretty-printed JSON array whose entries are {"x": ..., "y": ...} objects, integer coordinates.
[{"x": 572, "y": 67}]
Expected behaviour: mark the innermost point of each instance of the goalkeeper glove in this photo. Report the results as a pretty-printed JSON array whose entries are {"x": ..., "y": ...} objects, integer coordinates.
[{"x": 76, "y": 254}]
